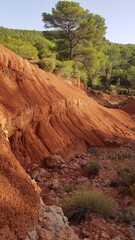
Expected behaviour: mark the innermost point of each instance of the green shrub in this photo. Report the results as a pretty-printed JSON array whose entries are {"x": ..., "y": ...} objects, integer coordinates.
[
  {"x": 83, "y": 77},
  {"x": 129, "y": 215},
  {"x": 47, "y": 64},
  {"x": 69, "y": 188},
  {"x": 113, "y": 183},
  {"x": 65, "y": 69},
  {"x": 93, "y": 169},
  {"x": 78, "y": 206},
  {"x": 121, "y": 153},
  {"x": 122, "y": 92},
  {"x": 76, "y": 71},
  {"x": 23, "y": 48},
  {"x": 58, "y": 66},
  {"x": 93, "y": 150},
  {"x": 126, "y": 173}
]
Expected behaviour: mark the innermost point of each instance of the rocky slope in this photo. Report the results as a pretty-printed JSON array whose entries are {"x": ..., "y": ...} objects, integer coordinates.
[
  {"x": 40, "y": 115},
  {"x": 59, "y": 183}
]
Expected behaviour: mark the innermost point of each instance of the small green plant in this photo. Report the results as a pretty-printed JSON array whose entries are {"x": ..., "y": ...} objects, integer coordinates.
[
  {"x": 129, "y": 214},
  {"x": 83, "y": 77},
  {"x": 113, "y": 183},
  {"x": 82, "y": 203},
  {"x": 64, "y": 69},
  {"x": 126, "y": 173},
  {"x": 93, "y": 151},
  {"x": 47, "y": 64},
  {"x": 121, "y": 153},
  {"x": 69, "y": 188},
  {"x": 93, "y": 169}
]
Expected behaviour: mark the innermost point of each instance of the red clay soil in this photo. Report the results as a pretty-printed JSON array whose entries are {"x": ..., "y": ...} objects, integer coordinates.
[
  {"x": 128, "y": 105},
  {"x": 18, "y": 198},
  {"x": 45, "y": 115},
  {"x": 41, "y": 115},
  {"x": 106, "y": 99}
]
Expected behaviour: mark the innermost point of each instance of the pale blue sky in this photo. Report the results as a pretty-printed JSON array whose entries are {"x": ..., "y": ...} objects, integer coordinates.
[{"x": 26, "y": 14}]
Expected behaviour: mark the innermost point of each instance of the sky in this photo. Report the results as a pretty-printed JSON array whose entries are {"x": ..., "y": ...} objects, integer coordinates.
[{"x": 119, "y": 16}]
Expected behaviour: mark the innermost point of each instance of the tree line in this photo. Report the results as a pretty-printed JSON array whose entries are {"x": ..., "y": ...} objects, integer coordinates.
[
  {"x": 74, "y": 46},
  {"x": 28, "y": 44}
]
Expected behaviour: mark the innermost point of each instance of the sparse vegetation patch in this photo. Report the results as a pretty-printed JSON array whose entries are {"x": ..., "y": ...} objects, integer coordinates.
[
  {"x": 129, "y": 214},
  {"x": 121, "y": 153},
  {"x": 79, "y": 206},
  {"x": 126, "y": 173},
  {"x": 93, "y": 169}
]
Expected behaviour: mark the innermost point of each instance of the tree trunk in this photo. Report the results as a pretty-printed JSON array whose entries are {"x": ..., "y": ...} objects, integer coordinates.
[
  {"x": 71, "y": 53},
  {"x": 70, "y": 49}
]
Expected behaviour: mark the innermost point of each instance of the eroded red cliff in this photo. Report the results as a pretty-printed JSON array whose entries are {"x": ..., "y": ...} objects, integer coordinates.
[
  {"x": 40, "y": 115},
  {"x": 44, "y": 115}
]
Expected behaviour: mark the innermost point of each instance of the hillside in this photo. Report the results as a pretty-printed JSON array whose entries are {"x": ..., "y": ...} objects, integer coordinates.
[
  {"x": 42, "y": 115},
  {"x": 128, "y": 105},
  {"x": 30, "y": 44},
  {"x": 90, "y": 63}
]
